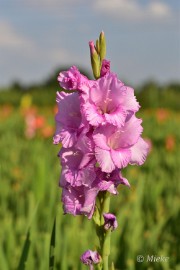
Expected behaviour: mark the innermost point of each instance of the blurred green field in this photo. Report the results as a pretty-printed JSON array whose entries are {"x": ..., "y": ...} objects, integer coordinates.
[{"x": 148, "y": 213}]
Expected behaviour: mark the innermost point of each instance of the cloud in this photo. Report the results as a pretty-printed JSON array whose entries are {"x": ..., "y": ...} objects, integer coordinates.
[
  {"x": 159, "y": 10},
  {"x": 132, "y": 10},
  {"x": 51, "y": 4},
  {"x": 11, "y": 39},
  {"x": 25, "y": 59},
  {"x": 14, "y": 42}
]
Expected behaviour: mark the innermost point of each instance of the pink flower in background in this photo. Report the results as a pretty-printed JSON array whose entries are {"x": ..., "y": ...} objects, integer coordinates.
[
  {"x": 30, "y": 130},
  {"x": 36, "y": 125},
  {"x": 109, "y": 101}
]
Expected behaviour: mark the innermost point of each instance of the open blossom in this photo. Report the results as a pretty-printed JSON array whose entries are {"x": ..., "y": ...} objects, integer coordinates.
[
  {"x": 109, "y": 101},
  {"x": 117, "y": 147},
  {"x": 110, "y": 181},
  {"x": 78, "y": 163},
  {"x": 79, "y": 200},
  {"x": 69, "y": 121},
  {"x": 72, "y": 79}
]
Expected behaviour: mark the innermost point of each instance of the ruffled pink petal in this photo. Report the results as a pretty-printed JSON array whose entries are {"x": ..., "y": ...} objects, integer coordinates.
[
  {"x": 94, "y": 117},
  {"x": 131, "y": 132},
  {"x": 78, "y": 201},
  {"x": 100, "y": 140},
  {"x": 85, "y": 143},
  {"x": 70, "y": 79},
  {"x": 124, "y": 181},
  {"x": 129, "y": 100},
  {"x": 107, "y": 185},
  {"x": 89, "y": 202},
  {"x": 139, "y": 152},
  {"x": 78, "y": 177},
  {"x": 100, "y": 91},
  {"x": 68, "y": 109},
  {"x": 101, "y": 135},
  {"x": 116, "y": 118},
  {"x": 68, "y": 119},
  {"x": 104, "y": 159},
  {"x": 66, "y": 137},
  {"x": 121, "y": 157}
]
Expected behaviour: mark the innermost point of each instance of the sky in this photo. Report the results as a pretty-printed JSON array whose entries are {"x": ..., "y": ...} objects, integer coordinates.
[{"x": 38, "y": 36}]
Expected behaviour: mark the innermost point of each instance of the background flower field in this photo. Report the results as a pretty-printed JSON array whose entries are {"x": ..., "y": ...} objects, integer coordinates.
[{"x": 148, "y": 214}]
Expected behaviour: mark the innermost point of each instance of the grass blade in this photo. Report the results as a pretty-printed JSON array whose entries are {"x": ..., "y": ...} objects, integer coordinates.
[
  {"x": 52, "y": 247},
  {"x": 24, "y": 255}
]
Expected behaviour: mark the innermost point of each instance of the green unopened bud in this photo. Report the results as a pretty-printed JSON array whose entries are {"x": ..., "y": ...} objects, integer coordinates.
[
  {"x": 97, "y": 46},
  {"x": 102, "y": 43},
  {"x": 95, "y": 63}
]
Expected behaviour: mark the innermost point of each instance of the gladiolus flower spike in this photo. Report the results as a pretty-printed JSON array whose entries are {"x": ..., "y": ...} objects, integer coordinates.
[{"x": 99, "y": 132}]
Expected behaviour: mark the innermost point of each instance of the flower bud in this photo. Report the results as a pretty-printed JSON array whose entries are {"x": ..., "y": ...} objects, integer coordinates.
[
  {"x": 105, "y": 68},
  {"x": 97, "y": 46},
  {"x": 110, "y": 221},
  {"x": 90, "y": 257},
  {"x": 102, "y": 43},
  {"x": 94, "y": 60}
]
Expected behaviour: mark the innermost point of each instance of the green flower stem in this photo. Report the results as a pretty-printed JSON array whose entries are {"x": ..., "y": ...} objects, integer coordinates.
[
  {"x": 106, "y": 249},
  {"x": 105, "y": 205},
  {"x": 103, "y": 235}
]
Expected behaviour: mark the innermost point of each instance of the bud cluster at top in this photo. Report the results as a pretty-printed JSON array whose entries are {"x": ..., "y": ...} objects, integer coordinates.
[{"x": 98, "y": 54}]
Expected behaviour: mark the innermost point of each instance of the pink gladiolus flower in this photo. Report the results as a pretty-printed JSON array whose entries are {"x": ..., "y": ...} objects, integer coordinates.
[
  {"x": 78, "y": 164},
  {"x": 79, "y": 200},
  {"x": 115, "y": 148},
  {"x": 72, "y": 79},
  {"x": 110, "y": 181},
  {"x": 109, "y": 101},
  {"x": 69, "y": 121},
  {"x": 96, "y": 125}
]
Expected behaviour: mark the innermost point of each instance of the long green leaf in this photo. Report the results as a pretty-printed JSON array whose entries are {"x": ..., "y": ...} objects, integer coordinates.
[
  {"x": 25, "y": 251},
  {"x": 52, "y": 247}
]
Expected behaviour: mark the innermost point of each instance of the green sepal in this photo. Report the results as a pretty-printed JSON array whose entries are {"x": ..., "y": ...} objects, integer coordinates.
[{"x": 97, "y": 216}]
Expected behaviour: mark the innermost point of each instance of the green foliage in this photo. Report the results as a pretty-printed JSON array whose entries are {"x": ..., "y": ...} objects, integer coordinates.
[
  {"x": 148, "y": 214},
  {"x": 25, "y": 251},
  {"x": 152, "y": 95},
  {"x": 52, "y": 247}
]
